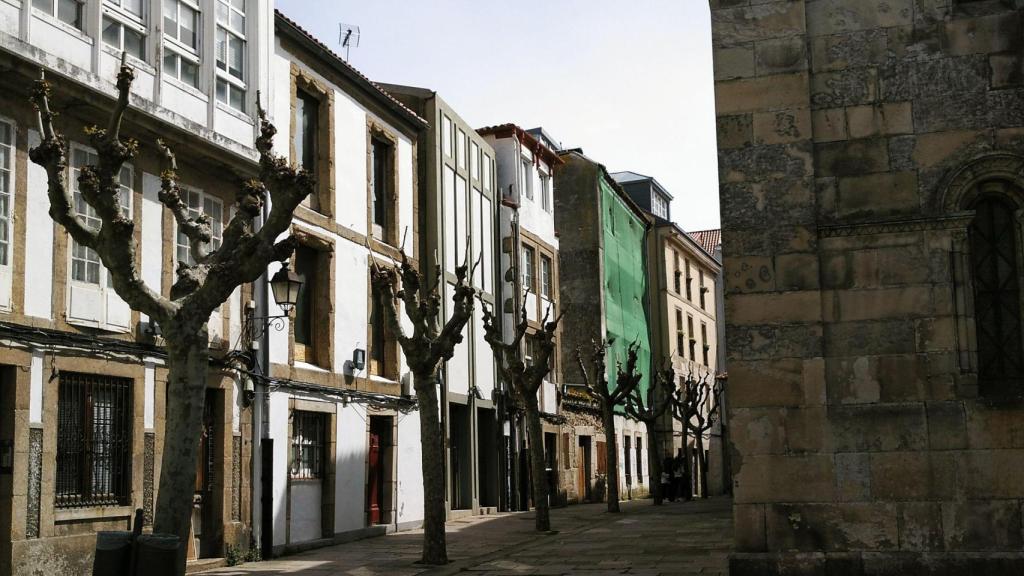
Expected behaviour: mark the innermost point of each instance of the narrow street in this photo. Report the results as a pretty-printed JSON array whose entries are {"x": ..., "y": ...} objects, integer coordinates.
[{"x": 683, "y": 539}]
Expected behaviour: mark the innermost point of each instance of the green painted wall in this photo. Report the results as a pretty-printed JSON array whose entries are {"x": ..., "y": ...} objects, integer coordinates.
[{"x": 625, "y": 282}]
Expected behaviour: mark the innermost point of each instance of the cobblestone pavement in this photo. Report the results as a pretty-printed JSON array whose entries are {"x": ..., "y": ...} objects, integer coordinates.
[{"x": 677, "y": 538}]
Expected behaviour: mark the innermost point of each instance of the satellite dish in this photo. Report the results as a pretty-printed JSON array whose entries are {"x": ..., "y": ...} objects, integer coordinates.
[{"x": 348, "y": 37}]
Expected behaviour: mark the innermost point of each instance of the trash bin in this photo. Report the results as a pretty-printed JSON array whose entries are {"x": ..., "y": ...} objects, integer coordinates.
[
  {"x": 113, "y": 553},
  {"x": 156, "y": 555}
]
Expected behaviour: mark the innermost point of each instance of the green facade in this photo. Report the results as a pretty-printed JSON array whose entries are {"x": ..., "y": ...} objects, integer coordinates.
[{"x": 625, "y": 282}]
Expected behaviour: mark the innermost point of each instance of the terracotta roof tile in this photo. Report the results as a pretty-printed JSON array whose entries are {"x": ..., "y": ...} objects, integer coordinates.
[{"x": 709, "y": 240}]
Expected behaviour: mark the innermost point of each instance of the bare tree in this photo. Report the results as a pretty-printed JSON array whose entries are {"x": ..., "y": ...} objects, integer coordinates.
[
  {"x": 525, "y": 381},
  {"x": 201, "y": 287},
  {"x": 625, "y": 382},
  {"x": 690, "y": 407},
  {"x": 426, "y": 348},
  {"x": 649, "y": 410}
]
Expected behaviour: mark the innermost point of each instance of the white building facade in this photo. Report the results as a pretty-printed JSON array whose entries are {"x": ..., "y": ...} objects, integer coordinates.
[{"x": 340, "y": 439}]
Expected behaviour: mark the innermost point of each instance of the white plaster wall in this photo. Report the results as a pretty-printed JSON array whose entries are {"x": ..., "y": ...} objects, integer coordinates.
[
  {"x": 278, "y": 430},
  {"x": 350, "y": 163},
  {"x": 634, "y": 429},
  {"x": 38, "y": 241},
  {"x": 152, "y": 233},
  {"x": 187, "y": 101},
  {"x": 410, "y": 470},
  {"x": 61, "y": 41},
  {"x": 350, "y": 482},
  {"x": 10, "y": 19},
  {"x": 307, "y": 498},
  {"x": 484, "y": 365}
]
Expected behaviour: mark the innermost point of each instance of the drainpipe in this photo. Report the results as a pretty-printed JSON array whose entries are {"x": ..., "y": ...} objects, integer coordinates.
[{"x": 259, "y": 403}]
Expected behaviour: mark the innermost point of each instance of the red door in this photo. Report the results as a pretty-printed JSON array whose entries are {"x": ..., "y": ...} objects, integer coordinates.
[{"x": 376, "y": 479}]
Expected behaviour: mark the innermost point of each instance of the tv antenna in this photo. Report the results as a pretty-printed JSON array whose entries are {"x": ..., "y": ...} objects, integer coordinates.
[{"x": 348, "y": 37}]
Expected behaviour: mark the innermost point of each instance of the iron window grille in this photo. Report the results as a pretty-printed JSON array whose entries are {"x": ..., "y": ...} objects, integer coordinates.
[
  {"x": 94, "y": 441},
  {"x": 308, "y": 445}
]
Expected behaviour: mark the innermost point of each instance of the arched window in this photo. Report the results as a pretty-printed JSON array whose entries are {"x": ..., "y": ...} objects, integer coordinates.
[{"x": 995, "y": 274}]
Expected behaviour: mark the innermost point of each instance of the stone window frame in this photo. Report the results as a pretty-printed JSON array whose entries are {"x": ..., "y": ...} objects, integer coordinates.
[
  {"x": 375, "y": 129},
  {"x": 323, "y": 200},
  {"x": 323, "y": 340},
  {"x": 391, "y": 369},
  {"x": 960, "y": 190}
]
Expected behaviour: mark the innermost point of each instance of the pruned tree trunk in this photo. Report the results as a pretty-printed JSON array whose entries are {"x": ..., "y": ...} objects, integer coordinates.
[
  {"x": 611, "y": 455},
  {"x": 702, "y": 466},
  {"x": 435, "y": 549},
  {"x": 687, "y": 469},
  {"x": 538, "y": 465},
  {"x": 241, "y": 257},
  {"x": 654, "y": 461},
  {"x": 188, "y": 364}
]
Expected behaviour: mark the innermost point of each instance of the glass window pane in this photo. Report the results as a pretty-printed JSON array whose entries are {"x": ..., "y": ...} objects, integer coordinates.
[
  {"x": 236, "y": 98},
  {"x": 70, "y": 11},
  {"x": 44, "y": 5},
  {"x": 236, "y": 55},
  {"x": 112, "y": 33},
  {"x": 171, "y": 18},
  {"x": 134, "y": 44},
  {"x": 189, "y": 73},
  {"x": 133, "y": 6},
  {"x": 222, "y": 90},
  {"x": 238, "y": 22},
  {"x": 170, "y": 63},
  {"x": 189, "y": 25},
  {"x": 222, "y": 13},
  {"x": 222, "y": 49}
]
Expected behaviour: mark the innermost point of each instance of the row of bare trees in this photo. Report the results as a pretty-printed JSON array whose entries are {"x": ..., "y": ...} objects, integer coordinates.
[
  {"x": 694, "y": 402},
  {"x": 245, "y": 252}
]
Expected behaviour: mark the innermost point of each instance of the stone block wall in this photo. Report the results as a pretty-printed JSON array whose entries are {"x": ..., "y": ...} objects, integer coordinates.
[{"x": 850, "y": 134}]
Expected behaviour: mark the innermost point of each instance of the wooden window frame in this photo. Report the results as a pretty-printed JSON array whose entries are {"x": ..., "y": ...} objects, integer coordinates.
[
  {"x": 323, "y": 198},
  {"x": 389, "y": 231},
  {"x": 390, "y": 367},
  {"x": 321, "y": 352}
]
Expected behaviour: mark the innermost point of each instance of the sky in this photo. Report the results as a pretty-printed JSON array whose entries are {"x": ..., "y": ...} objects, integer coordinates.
[{"x": 628, "y": 81}]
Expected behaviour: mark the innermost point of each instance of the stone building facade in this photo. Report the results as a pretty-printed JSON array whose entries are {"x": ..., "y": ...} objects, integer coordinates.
[
  {"x": 870, "y": 158},
  {"x": 83, "y": 386},
  {"x": 604, "y": 288}
]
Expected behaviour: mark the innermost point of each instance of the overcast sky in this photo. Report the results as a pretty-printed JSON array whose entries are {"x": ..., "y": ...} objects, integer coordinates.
[{"x": 629, "y": 81}]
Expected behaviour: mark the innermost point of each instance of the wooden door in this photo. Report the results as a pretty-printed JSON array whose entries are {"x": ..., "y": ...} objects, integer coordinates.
[{"x": 375, "y": 489}]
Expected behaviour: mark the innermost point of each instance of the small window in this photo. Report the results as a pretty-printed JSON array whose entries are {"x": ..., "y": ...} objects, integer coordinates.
[
  {"x": 545, "y": 277},
  {"x": 231, "y": 47},
  {"x": 308, "y": 445},
  {"x": 526, "y": 178},
  {"x": 704, "y": 342},
  {"x": 487, "y": 172},
  {"x": 693, "y": 341},
  {"x": 307, "y": 121},
  {"x": 200, "y": 203},
  {"x": 659, "y": 205},
  {"x": 626, "y": 457},
  {"x": 6, "y": 191},
  {"x": 181, "y": 41},
  {"x": 529, "y": 261},
  {"x": 306, "y": 318},
  {"x": 639, "y": 461},
  {"x": 94, "y": 441},
  {"x": 545, "y": 192},
  {"x": 460, "y": 149},
  {"x": 689, "y": 290},
  {"x": 702, "y": 289},
  {"x": 382, "y": 352},
  {"x": 67, "y": 11},
  {"x": 993, "y": 251},
  {"x": 446, "y": 137},
  {"x": 474, "y": 160},
  {"x": 380, "y": 185},
  {"x": 124, "y": 27},
  {"x": 680, "y": 333},
  {"x": 676, "y": 279},
  {"x": 85, "y": 262}
]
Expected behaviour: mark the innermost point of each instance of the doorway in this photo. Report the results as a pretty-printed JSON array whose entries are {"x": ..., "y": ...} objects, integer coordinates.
[
  {"x": 461, "y": 458},
  {"x": 583, "y": 469},
  {"x": 379, "y": 466},
  {"x": 487, "y": 456},
  {"x": 206, "y": 529}
]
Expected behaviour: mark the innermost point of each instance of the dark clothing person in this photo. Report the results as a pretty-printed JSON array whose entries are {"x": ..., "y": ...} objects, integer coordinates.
[
  {"x": 667, "y": 475},
  {"x": 678, "y": 476}
]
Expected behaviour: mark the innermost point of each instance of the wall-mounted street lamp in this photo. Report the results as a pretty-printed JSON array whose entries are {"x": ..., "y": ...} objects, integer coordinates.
[
  {"x": 359, "y": 359},
  {"x": 285, "y": 285}
]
